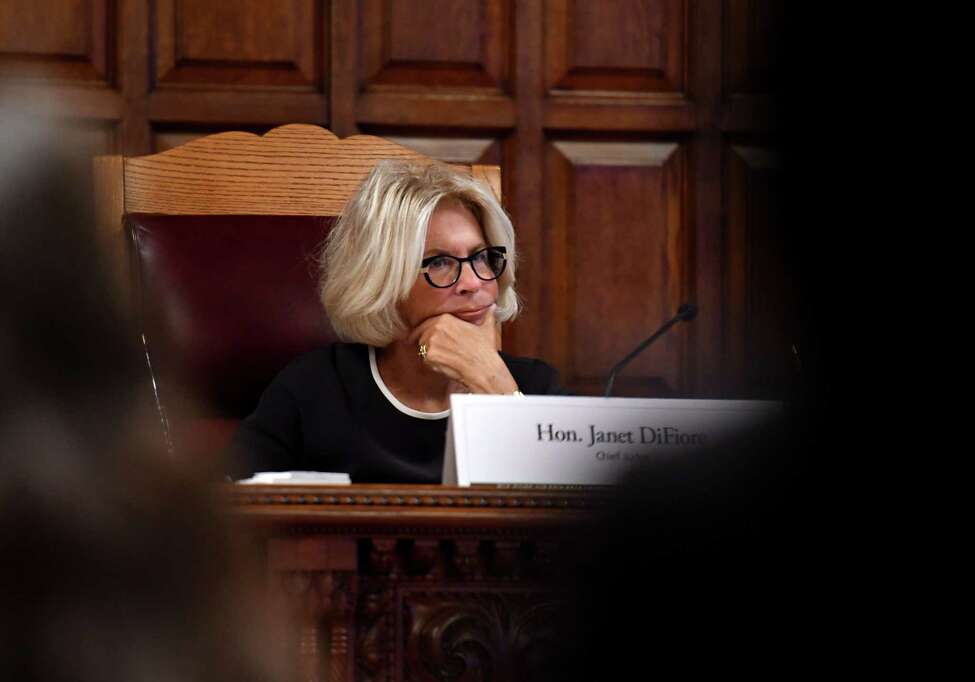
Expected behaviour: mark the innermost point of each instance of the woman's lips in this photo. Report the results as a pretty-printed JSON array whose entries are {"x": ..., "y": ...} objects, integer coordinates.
[{"x": 474, "y": 316}]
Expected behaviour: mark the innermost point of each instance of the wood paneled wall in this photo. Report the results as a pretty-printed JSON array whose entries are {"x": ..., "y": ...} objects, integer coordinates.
[{"x": 637, "y": 140}]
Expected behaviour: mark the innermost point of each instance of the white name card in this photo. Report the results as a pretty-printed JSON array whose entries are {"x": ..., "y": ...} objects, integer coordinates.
[{"x": 561, "y": 440}]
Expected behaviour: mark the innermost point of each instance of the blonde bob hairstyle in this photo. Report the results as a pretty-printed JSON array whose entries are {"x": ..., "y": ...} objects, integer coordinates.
[{"x": 371, "y": 258}]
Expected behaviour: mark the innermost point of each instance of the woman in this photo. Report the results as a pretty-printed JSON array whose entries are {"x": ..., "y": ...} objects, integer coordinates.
[{"x": 416, "y": 275}]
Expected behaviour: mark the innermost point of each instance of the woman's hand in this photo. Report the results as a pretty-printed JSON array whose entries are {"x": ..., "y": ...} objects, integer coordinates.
[{"x": 464, "y": 352}]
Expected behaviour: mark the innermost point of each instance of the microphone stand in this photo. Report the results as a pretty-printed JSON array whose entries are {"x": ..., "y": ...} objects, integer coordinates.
[{"x": 686, "y": 313}]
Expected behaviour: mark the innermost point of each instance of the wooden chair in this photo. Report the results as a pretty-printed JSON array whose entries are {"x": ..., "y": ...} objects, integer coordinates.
[{"x": 217, "y": 242}]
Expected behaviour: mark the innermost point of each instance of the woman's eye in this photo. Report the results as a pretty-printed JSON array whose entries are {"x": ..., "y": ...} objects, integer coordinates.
[
  {"x": 481, "y": 256},
  {"x": 440, "y": 264}
]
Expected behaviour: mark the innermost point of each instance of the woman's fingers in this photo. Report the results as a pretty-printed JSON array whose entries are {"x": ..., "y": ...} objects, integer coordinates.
[
  {"x": 462, "y": 351},
  {"x": 465, "y": 352},
  {"x": 488, "y": 327},
  {"x": 419, "y": 330},
  {"x": 452, "y": 346}
]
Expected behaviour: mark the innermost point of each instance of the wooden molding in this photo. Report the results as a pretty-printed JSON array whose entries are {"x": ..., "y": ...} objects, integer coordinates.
[
  {"x": 617, "y": 154},
  {"x": 418, "y": 509}
]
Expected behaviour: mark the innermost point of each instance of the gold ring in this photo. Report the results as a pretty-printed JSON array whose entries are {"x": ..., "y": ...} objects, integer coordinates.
[{"x": 422, "y": 351}]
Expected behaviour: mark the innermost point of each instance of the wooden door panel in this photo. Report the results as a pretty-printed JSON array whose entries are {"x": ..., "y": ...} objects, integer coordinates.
[
  {"x": 615, "y": 46},
  {"x": 762, "y": 276},
  {"x": 240, "y": 44},
  {"x": 59, "y": 41},
  {"x": 443, "y": 44},
  {"x": 616, "y": 265}
]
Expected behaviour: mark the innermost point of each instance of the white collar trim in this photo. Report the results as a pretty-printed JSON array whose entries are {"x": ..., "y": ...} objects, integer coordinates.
[{"x": 392, "y": 399}]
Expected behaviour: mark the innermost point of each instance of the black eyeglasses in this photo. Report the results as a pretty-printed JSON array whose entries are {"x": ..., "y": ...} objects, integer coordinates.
[{"x": 444, "y": 270}]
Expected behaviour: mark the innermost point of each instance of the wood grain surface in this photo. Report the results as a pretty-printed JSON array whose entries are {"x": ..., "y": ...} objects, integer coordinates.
[{"x": 295, "y": 169}]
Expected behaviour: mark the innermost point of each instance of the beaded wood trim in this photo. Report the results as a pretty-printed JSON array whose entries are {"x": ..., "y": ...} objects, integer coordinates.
[{"x": 420, "y": 498}]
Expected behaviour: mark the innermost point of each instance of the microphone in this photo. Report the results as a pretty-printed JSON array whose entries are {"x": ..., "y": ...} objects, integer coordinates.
[{"x": 685, "y": 313}]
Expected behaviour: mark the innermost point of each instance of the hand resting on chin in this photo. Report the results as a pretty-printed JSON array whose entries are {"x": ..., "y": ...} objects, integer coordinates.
[{"x": 465, "y": 352}]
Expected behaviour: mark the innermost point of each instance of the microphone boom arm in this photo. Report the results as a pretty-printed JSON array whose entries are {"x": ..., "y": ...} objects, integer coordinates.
[{"x": 686, "y": 312}]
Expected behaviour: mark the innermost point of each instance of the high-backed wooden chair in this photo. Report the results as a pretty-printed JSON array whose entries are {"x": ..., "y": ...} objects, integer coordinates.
[{"x": 219, "y": 268}]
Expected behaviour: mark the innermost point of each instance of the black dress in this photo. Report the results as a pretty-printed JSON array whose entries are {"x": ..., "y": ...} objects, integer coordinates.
[{"x": 326, "y": 412}]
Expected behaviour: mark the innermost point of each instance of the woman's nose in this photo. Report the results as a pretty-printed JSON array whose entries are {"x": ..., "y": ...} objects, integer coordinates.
[{"x": 468, "y": 281}]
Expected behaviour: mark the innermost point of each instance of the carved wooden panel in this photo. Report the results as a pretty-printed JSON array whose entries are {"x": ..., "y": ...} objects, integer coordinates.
[
  {"x": 752, "y": 58},
  {"x": 762, "y": 279},
  {"x": 313, "y": 579},
  {"x": 70, "y": 41},
  {"x": 435, "y": 43},
  {"x": 469, "y": 150},
  {"x": 241, "y": 43},
  {"x": 439, "y": 583},
  {"x": 466, "y": 633},
  {"x": 615, "y": 45},
  {"x": 615, "y": 245},
  {"x": 753, "y": 45},
  {"x": 167, "y": 138},
  {"x": 473, "y": 607}
]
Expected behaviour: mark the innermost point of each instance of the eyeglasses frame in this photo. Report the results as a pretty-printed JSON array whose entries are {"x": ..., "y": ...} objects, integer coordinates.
[{"x": 425, "y": 265}]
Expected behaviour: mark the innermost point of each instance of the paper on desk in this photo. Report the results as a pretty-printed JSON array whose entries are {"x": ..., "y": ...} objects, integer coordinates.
[{"x": 297, "y": 478}]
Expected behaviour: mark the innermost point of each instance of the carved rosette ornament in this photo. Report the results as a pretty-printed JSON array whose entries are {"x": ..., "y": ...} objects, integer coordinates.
[{"x": 478, "y": 636}]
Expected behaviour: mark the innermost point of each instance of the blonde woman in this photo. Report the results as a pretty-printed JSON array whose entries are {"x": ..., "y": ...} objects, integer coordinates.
[{"x": 415, "y": 276}]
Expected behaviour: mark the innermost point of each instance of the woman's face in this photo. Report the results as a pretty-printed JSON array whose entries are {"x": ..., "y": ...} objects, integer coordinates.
[{"x": 453, "y": 230}]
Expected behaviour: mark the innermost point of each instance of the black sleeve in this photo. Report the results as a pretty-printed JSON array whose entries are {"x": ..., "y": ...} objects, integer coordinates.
[
  {"x": 548, "y": 378},
  {"x": 270, "y": 438},
  {"x": 555, "y": 387},
  {"x": 535, "y": 377}
]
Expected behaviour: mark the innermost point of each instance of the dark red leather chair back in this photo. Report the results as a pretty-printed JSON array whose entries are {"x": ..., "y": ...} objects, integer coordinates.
[{"x": 224, "y": 303}]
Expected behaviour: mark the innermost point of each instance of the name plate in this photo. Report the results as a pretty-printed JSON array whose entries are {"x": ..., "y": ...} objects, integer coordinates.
[{"x": 562, "y": 440}]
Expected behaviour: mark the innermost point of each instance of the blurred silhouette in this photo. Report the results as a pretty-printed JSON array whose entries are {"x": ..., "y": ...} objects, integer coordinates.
[
  {"x": 116, "y": 564},
  {"x": 703, "y": 564}
]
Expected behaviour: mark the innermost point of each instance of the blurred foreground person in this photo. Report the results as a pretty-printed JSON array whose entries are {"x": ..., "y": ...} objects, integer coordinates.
[
  {"x": 704, "y": 564},
  {"x": 115, "y": 563}
]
